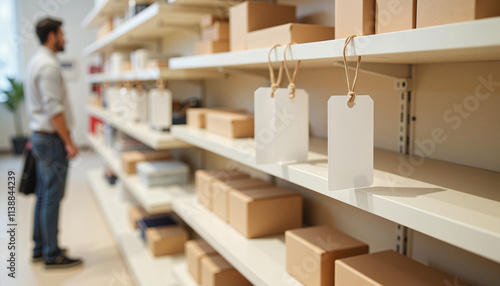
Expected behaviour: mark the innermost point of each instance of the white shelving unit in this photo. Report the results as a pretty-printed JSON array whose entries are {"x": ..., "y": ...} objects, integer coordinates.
[
  {"x": 152, "y": 23},
  {"x": 153, "y": 200},
  {"x": 153, "y": 74},
  {"x": 159, "y": 140},
  {"x": 180, "y": 272},
  {"x": 465, "y": 216},
  {"x": 146, "y": 269},
  {"x": 448, "y": 43},
  {"x": 436, "y": 211},
  {"x": 261, "y": 261},
  {"x": 104, "y": 9}
]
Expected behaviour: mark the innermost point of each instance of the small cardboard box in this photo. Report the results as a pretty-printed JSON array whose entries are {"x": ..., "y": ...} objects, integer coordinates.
[
  {"x": 432, "y": 13},
  {"x": 131, "y": 158},
  {"x": 210, "y": 47},
  {"x": 263, "y": 212},
  {"x": 196, "y": 116},
  {"x": 354, "y": 17},
  {"x": 251, "y": 16},
  {"x": 221, "y": 191},
  {"x": 137, "y": 213},
  {"x": 219, "y": 31},
  {"x": 233, "y": 125},
  {"x": 388, "y": 268},
  {"x": 104, "y": 28},
  {"x": 392, "y": 16},
  {"x": 205, "y": 178},
  {"x": 166, "y": 240},
  {"x": 287, "y": 33},
  {"x": 216, "y": 271},
  {"x": 195, "y": 251},
  {"x": 209, "y": 20},
  {"x": 313, "y": 250}
]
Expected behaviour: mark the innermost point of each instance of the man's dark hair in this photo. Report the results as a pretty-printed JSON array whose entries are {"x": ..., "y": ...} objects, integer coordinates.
[{"x": 45, "y": 26}]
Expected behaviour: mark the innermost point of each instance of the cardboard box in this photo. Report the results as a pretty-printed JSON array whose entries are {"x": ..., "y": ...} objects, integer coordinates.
[
  {"x": 263, "y": 212},
  {"x": 155, "y": 221},
  {"x": 104, "y": 28},
  {"x": 251, "y": 16},
  {"x": 137, "y": 213},
  {"x": 395, "y": 15},
  {"x": 233, "y": 125},
  {"x": 205, "y": 178},
  {"x": 287, "y": 33},
  {"x": 195, "y": 251},
  {"x": 131, "y": 158},
  {"x": 222, "y": 190},
  {"x": 432, "y": 13},
  {"x": 195, "y": 117},
  {"x": 388, "y": 268},
  {"x": 313, "y": 250},
  {"x": 166, "y": 240},
  {"x": 219, "y": 31},
  {"x": 354, "y": 17},
  {"x": 209, "y": 20},
  {"x": 216, "y": 271},
  {"x": 210, "y": 47}
]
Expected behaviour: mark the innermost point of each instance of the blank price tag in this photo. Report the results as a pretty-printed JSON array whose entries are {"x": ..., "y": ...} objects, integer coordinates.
[
  {"x": 350, "y": 142},
  {"x": 281, "y": 125},
  {"x": 160, "y": 108}
]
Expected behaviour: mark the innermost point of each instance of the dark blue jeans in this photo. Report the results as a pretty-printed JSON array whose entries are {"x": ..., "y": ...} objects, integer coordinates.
[{"x": 52, "y": 170}]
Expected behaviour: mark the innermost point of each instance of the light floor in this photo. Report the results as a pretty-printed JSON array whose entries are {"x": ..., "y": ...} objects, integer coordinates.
[{"x": 82, "y": 230}]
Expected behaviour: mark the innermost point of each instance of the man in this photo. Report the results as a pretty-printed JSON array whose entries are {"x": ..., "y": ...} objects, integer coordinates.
[{"x": 50, "y": 119}]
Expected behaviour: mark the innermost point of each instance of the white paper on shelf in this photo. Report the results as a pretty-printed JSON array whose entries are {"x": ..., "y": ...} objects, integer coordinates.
[
  {"x": 281, "y": 125},
  {"x": 350, "y": 142}
]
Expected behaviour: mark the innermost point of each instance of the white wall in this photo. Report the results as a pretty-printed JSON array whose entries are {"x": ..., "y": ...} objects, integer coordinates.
[{"x": 71, "y": 12}]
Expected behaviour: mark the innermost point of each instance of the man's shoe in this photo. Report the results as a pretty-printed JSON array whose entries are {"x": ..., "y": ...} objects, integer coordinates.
[
  {"x": 63, "y": 262},
  {"x": 39, "y": 257}
]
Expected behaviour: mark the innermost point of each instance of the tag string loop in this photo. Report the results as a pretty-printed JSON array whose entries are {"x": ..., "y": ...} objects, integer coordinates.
[
  {"x": 291, "y": 85},
  {"x": 352, "y": 95},
  {"x": 274, "y": 83}
]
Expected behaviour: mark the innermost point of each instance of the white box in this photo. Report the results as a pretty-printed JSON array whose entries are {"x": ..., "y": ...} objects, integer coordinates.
[{"x": 163, "y": 173}]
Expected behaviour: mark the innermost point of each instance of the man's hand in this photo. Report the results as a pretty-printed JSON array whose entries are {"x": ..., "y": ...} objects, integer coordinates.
[{"x": 72, "y": 151}]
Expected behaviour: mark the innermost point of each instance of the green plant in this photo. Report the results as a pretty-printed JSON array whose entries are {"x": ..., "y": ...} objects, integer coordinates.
[{"x": 14, "y": 96}]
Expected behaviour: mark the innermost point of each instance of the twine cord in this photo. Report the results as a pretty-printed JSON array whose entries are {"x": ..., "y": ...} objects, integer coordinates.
[
  {"x": 352, "y": 95},
  {"x": 275, "y": 84},
  {"x": 291, "y": 85}
]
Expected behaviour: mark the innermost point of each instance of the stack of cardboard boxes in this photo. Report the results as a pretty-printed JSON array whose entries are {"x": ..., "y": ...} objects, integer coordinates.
[
  {"x": 160, "y": 232},
  {"x": 253, "y": 207},
  {"x": 208, "y": 268},
  {"x": 214, "y": 34}
]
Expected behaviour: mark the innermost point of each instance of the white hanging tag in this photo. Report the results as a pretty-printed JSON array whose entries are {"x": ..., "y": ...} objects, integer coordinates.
[
  {"x": 160, "y": 109},
  {"x": 350, "y": 142},
  {"x": 281, "y": 126}
]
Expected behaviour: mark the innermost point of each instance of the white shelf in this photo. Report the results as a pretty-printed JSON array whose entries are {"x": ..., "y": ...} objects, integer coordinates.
[
  {"x": 153, "y": 74},
  {"x": 152, "y": 23},
  {"x": 114, "y": 210},
  {"x": 469, "y": 41},
  {"x": 146, "y": 269},
  {"x": 153, "y": 200},
  {"x": 180, "y": 272},
  {"x": 261, "y": 261},
  {"x": 469, "y": 218},
  {"x": 103, "y": 10},
  {"x": 158, "y": 140}
]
